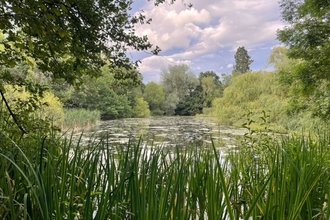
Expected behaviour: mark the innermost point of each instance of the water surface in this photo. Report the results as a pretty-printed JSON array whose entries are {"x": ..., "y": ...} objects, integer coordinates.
[{"x": 166, "y": 132}]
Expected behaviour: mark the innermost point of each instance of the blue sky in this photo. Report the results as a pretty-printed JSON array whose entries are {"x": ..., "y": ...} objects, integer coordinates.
[{"x": 206, "y": 36}]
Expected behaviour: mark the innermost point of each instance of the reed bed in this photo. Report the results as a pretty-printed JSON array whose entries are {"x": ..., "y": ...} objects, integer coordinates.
[
  {"x": 80, "y": 119},
  {"x": 265, "y": 179}
]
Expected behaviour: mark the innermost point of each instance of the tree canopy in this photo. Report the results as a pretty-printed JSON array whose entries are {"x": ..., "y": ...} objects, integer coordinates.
[
  {"x": 242, "y": 60},
  {"x": 69, "y": 38},
  {"x": 155, "y": 96},
  {"x": 307, "y": 37},
  {"x": 178, "y": 82}
]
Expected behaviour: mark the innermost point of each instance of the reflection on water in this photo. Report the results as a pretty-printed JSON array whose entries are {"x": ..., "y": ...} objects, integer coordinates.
[{"x": 166, "y": 131}]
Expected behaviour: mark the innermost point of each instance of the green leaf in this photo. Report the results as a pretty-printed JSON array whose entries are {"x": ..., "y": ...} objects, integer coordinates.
[
  {"x": 56, "y": 11},
  {"x": 62, "y": 33}
]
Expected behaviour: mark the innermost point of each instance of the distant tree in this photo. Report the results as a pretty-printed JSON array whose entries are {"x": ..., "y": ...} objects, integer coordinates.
[
  {"x": 104, "y": 94},
  {"x": 192, "y": 104},
  {"x": 177, "y": 81},
  {"x": 211, "y": 74},
  {"x": 212, "y": 87},
  {"x": 171, "y": 102},
  {"x": 155, "y": 96},
  {"x": 141, "y": 108},
  {"x": 242, "y": 61}
]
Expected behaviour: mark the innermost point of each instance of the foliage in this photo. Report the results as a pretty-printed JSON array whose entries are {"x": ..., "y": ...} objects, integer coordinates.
[
  {"x": 278, "y": 170},
  {"x": 171, "y": 102},
  {"x": 49, "y": 107},
  {"x": 192, "y": 104},
  {"x": 178, "y": 82},
  {"x": 154, "y": 94},
  {"x": 141, "y": 108},
  {"x": 105, "y": 94},
  {"x": 212, "y": 87},
  {"x": 253, "y": 91},
  {"x": 67, "y": 40},
  {"x": 70, "y": 38},
  {"x": 242, "y": 61},
  {"x": 268, "y": 178},
  {"x": 307, "y": 36}
]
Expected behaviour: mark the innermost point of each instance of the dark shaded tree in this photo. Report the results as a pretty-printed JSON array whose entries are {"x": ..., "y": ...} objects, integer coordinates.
[{"x": 192, "y": 104}]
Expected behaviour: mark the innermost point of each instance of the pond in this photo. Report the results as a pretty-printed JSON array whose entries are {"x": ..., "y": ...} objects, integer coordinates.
[{"x": 165, "y": 132}]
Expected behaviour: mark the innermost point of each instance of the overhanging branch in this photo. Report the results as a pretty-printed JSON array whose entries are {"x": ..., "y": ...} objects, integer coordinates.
[{"x": 12, "y": 113}]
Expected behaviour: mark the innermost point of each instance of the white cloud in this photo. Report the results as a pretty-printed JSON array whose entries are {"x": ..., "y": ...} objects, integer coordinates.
[
  {"x": 152, "y": 66},
  {"x": 173, "y": 29},
  {"x": 207, "y": 28}
]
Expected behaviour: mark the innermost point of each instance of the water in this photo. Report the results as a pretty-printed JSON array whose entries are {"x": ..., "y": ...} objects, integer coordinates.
[{"x": 165, "y": 131}]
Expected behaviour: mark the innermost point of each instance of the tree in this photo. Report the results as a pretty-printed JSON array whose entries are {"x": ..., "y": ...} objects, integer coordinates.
[
  {"x": 171, "y": 102},
  {"x": 141, "y": 108},
  {"x": 178, "y": 82},
  {"x": 242, "y": 61},
  {"x": 66, "y": 39},
  {"x": 155, "y": 96},
  {"x": 211, "y": 87},
  {"x": 307, "y": 36},
  {"x": 70, "y": 38},
  {"x": 192, "y": 104},
  {"x": 103, "y": 94}
]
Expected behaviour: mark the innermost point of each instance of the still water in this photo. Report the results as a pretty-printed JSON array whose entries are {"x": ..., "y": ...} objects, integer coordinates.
[{"x": 165, "y": 132}]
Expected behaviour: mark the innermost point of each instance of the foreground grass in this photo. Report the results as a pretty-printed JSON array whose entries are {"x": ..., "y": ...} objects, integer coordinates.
[{"x": 266, "y": 179}]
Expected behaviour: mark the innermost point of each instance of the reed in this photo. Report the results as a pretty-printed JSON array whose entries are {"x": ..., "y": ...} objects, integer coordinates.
[
  {"x": 283, "y": 178},
  {"x": 78, "y": 119}
]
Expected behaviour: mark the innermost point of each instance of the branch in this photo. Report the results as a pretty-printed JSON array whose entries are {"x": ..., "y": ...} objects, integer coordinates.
[{"x": 12, "y": 114}]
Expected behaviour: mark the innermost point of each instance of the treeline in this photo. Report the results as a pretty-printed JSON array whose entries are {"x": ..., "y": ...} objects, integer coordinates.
[
  {"x": 116, "y": 92},
  {"x": 121, "y": 93},
  {"x": 180, "y": 92}
]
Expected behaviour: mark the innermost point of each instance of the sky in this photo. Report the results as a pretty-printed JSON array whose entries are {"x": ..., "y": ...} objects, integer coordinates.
[{"x": 206, "y": 36}]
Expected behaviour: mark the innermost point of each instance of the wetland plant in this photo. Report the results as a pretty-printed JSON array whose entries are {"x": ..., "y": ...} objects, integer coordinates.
[{"x": 56, "y": 178}]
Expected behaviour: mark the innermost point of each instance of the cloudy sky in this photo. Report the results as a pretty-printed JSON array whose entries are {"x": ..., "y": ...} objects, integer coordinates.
[{"x": 206, "y": 36}]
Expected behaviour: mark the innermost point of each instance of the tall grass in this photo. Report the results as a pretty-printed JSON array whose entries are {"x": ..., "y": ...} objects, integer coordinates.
[
  {"x": 80, "y": 118},
  {"x": 266, "y": 179}
]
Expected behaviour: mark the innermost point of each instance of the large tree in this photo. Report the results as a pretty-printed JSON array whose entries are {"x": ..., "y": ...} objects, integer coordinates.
[
  {"x": 178, "y": 81},
  {"x": 242, "y": 60},
  {"x": 69, "y": 38},
  {"x": 307, "y": 36}
]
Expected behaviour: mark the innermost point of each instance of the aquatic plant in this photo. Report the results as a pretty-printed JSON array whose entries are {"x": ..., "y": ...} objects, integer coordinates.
[{"x": 286, "y": 178}]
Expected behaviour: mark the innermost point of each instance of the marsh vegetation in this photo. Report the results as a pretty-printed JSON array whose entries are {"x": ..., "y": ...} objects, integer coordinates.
[{"x": 267, "y": 178}]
